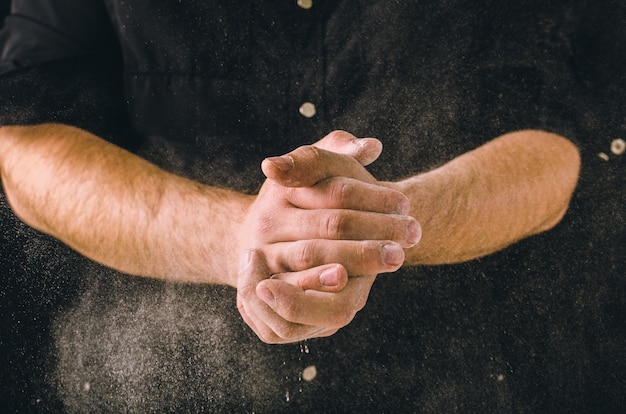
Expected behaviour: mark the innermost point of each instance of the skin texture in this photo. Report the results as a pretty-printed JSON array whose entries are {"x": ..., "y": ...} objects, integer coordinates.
[{"x": 319, "y": 213}]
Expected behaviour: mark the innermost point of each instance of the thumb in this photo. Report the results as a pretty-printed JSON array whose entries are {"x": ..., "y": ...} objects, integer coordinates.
[
  {"x": 308, "y": 165},
  {"x": 252, "y": 269},
  {"x": 364, "y": 150}
]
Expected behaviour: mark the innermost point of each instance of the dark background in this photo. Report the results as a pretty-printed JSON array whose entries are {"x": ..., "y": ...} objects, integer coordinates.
[
  {"x": 549, "y": 337},
  {"x": 5, "y": 6}
]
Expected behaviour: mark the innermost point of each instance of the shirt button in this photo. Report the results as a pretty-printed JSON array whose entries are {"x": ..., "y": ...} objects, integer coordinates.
[
  {"x": 307, "y": 110},
  {"x": 305, "y": 4},
  {"x": 309, "y": 373}
]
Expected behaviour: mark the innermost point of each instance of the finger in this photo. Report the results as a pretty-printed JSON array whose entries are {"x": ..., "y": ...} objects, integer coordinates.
[
  {"x": 327, "y": 278},
  {"x": 273, "y": 328},
  {"x": 358, "y": 257},
  {"x": 343, "y": 225},
  {"x": 348, "y": 193},
  {"x": 308, "y": 165},
  {"x": 279, "y": 331},
  {"x": 267, "y": 325},
  {"x": 315, "y": 308},
  {"x": 241, "y": 306},
  {"x": 364, "y": 150}
]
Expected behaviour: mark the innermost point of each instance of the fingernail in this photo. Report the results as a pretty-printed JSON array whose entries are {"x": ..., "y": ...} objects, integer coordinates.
[
  {"x": 413, "y": 232},
  {"x": 266, "y": 296},
  {"x": 284, "y": 163},
  {"x": 330, "y": 277},
  {"x": 392, "y": 254}
]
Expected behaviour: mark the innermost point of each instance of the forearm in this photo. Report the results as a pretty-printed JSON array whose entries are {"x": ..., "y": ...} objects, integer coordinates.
[
  {"x": 515, "y": 186},
  {"x": 118, "y": 209}
]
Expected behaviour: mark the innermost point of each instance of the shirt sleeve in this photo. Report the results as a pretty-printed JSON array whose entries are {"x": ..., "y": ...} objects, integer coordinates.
[
  {"x": 61, "y": 63},
  {"x": 37, "y": 31}
]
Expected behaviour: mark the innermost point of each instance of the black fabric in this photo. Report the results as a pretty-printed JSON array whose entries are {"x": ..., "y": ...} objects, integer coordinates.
[
  {"x": 38, "y": 31},
  {"x": 211, "y": 88},
  {"x": 81, "y": 91},
  {"x": 5, "y": 9}
]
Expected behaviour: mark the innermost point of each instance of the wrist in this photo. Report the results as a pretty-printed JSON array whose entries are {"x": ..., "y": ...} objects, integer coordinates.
[
  {"x": 426, "y": 204},
  {"x": 198, "y": 234},
  {"x": 231, "y": 244},
  {"x": 235, "y": 244}
]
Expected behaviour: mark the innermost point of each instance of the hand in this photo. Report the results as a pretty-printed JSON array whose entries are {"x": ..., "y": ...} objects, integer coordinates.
[
  {"x": 297, "y": 306},
  {"x": 313, "y": 302},
  {"x": 333, "y": 211}
]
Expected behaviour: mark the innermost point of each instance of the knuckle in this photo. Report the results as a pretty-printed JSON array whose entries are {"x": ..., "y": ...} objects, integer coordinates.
[
  {"x": 336, "y": 225},
  {"x": 304, "y": 256},
  {"x": 264, "y": 219},
  {"x": 303, "y": 283},
  {"x": 340, "y": 192},
  {"x": 285, "y": 330},
  {"x": 336, "y": 137},
  {"x": 265, "y": 224},
  {"x": 315, "y": 153},
  {"x": 267, "y": 336},
  {"x": 309, "y": 153}
]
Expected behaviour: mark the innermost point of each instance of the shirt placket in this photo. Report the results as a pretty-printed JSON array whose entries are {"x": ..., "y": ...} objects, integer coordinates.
[{"x": 307, "y": 70}]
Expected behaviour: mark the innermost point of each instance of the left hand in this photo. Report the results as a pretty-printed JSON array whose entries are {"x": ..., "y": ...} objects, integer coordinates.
[{"x": 297, "y": 306}]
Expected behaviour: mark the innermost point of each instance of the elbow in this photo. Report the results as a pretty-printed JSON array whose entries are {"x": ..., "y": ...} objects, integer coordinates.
[
  {"x": 553, "y": 220},
  {"x": 16, "y": 204},
  {"x": 13, "y": 170},
  {"x": 564, "y": 175}
]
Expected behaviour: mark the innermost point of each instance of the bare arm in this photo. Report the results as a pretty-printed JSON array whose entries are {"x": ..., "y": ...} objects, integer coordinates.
[
  {"x": 515, "y": 186},
  {"x": 116, "y": 208}
]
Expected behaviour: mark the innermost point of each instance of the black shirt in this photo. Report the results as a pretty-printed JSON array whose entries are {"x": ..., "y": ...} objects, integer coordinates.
[
  {"x": 439, "y": 79},
  {"x": 209, "y": 88}
]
